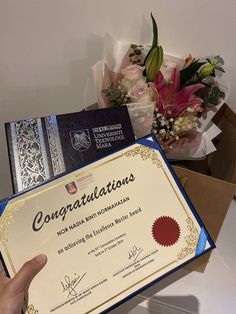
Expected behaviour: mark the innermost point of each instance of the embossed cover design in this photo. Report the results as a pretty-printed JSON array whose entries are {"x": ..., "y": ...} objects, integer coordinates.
[{"x": 42, "y": 148}]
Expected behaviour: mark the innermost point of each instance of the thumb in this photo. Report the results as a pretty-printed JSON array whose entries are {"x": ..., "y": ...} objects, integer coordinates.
[{"x": 28, "y": 271}]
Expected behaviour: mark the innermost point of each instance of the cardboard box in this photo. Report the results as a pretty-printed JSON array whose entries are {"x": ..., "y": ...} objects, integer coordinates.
[
  {"x": 211, "y": 183},
  {"x": 211, "y": 197},
  {"x": 222, "y": 163}
]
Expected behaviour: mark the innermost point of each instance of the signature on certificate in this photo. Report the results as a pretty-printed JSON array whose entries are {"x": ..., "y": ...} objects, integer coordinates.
[
  {"x": 134, "y": 253},
  {"x": 69, "y": 284}
]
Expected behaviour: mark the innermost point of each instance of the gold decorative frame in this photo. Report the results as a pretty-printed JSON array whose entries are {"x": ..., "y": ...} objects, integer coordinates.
[
  {"x": 146, "y": 153},
  {"x": 192, "y": 239}
]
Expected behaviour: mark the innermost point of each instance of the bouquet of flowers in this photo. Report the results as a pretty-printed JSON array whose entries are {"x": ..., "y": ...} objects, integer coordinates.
[{"x": 171, "y": 97}]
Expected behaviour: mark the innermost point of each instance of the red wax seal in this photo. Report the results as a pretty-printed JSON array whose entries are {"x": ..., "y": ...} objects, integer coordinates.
[{"x": 165, "y": 231}]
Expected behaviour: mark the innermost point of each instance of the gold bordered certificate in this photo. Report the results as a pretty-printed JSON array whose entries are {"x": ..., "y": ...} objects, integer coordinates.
[{"x": 109, "y": 229}]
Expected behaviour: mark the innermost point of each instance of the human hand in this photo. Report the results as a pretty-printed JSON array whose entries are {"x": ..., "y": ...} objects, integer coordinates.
[{"x": 13, "y": 291}]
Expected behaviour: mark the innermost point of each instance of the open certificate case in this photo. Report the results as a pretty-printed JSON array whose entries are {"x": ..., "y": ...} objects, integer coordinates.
[{"x": 109, "y": 229}]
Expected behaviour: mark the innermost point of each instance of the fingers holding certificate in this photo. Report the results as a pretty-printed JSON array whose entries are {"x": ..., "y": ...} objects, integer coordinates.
[{"x": 108, "y": 229}]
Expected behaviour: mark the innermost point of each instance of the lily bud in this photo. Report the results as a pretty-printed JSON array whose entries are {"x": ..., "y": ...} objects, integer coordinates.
[
  {"x": 153, "y": 62},
  {"x": 207, "y": 70},
  {"x": 188, "y": 61}
]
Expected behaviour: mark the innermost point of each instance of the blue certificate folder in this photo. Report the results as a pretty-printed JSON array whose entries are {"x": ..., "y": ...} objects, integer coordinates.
[
  {"x": 41, "y": 148},
  {"x": 110, "y": 229}
]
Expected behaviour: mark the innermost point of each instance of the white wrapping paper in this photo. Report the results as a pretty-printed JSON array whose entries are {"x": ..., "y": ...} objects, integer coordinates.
[{"x": 194, "y": 148}]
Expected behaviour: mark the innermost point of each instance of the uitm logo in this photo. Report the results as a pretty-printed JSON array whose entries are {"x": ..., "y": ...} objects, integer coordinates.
[
  {"x": 80, "y": 140},
  {"x": 71, "y": 188}
]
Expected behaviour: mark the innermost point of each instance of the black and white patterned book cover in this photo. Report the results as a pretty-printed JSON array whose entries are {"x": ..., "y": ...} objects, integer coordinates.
[{"x": 42, "y": 148}]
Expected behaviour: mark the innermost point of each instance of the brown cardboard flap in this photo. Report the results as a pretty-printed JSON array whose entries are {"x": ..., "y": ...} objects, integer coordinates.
[
  {"x": 211, "y": 197},
  {"x": 230, "y": 116},
  {"x": 222, "y": 163}
]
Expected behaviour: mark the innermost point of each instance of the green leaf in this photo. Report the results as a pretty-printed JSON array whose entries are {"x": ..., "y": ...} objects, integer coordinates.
[
  {"x": 220, "y": 69},
  {"x": 219, "y": 59},
  {"x": 213, "y": 73},
  {"x": 137, "y": 51},
  {"x": 217, "y": 93},
  {"x": 213, "y": 97},
  {"x": 116, "y": 97}
]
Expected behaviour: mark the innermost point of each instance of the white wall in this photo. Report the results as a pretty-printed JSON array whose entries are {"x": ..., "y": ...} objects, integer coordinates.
[{"x": 48, "y": 46}]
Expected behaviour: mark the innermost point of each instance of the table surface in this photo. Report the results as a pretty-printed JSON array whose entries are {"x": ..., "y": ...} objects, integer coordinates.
[{"x": 211, "y": 292}]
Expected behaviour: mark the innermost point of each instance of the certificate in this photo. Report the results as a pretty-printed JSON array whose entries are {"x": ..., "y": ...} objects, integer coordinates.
[{"x": 109, "y": 230}]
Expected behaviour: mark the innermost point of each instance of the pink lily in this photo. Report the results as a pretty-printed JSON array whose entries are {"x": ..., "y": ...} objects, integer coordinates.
[{"x": 172, "y": 101}]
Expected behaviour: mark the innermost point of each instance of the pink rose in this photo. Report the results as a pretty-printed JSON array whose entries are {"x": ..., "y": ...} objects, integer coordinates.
[
  {"x": 133, "y": 72},
  {"x": 140, "y": 92}
]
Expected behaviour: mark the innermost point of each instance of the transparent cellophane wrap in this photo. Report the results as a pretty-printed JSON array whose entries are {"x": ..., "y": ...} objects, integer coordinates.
[{"x": 196, "y": 144}]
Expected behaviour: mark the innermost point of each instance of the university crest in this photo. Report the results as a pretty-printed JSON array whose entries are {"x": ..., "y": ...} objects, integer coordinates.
[{"x": 80, "y": 140}]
